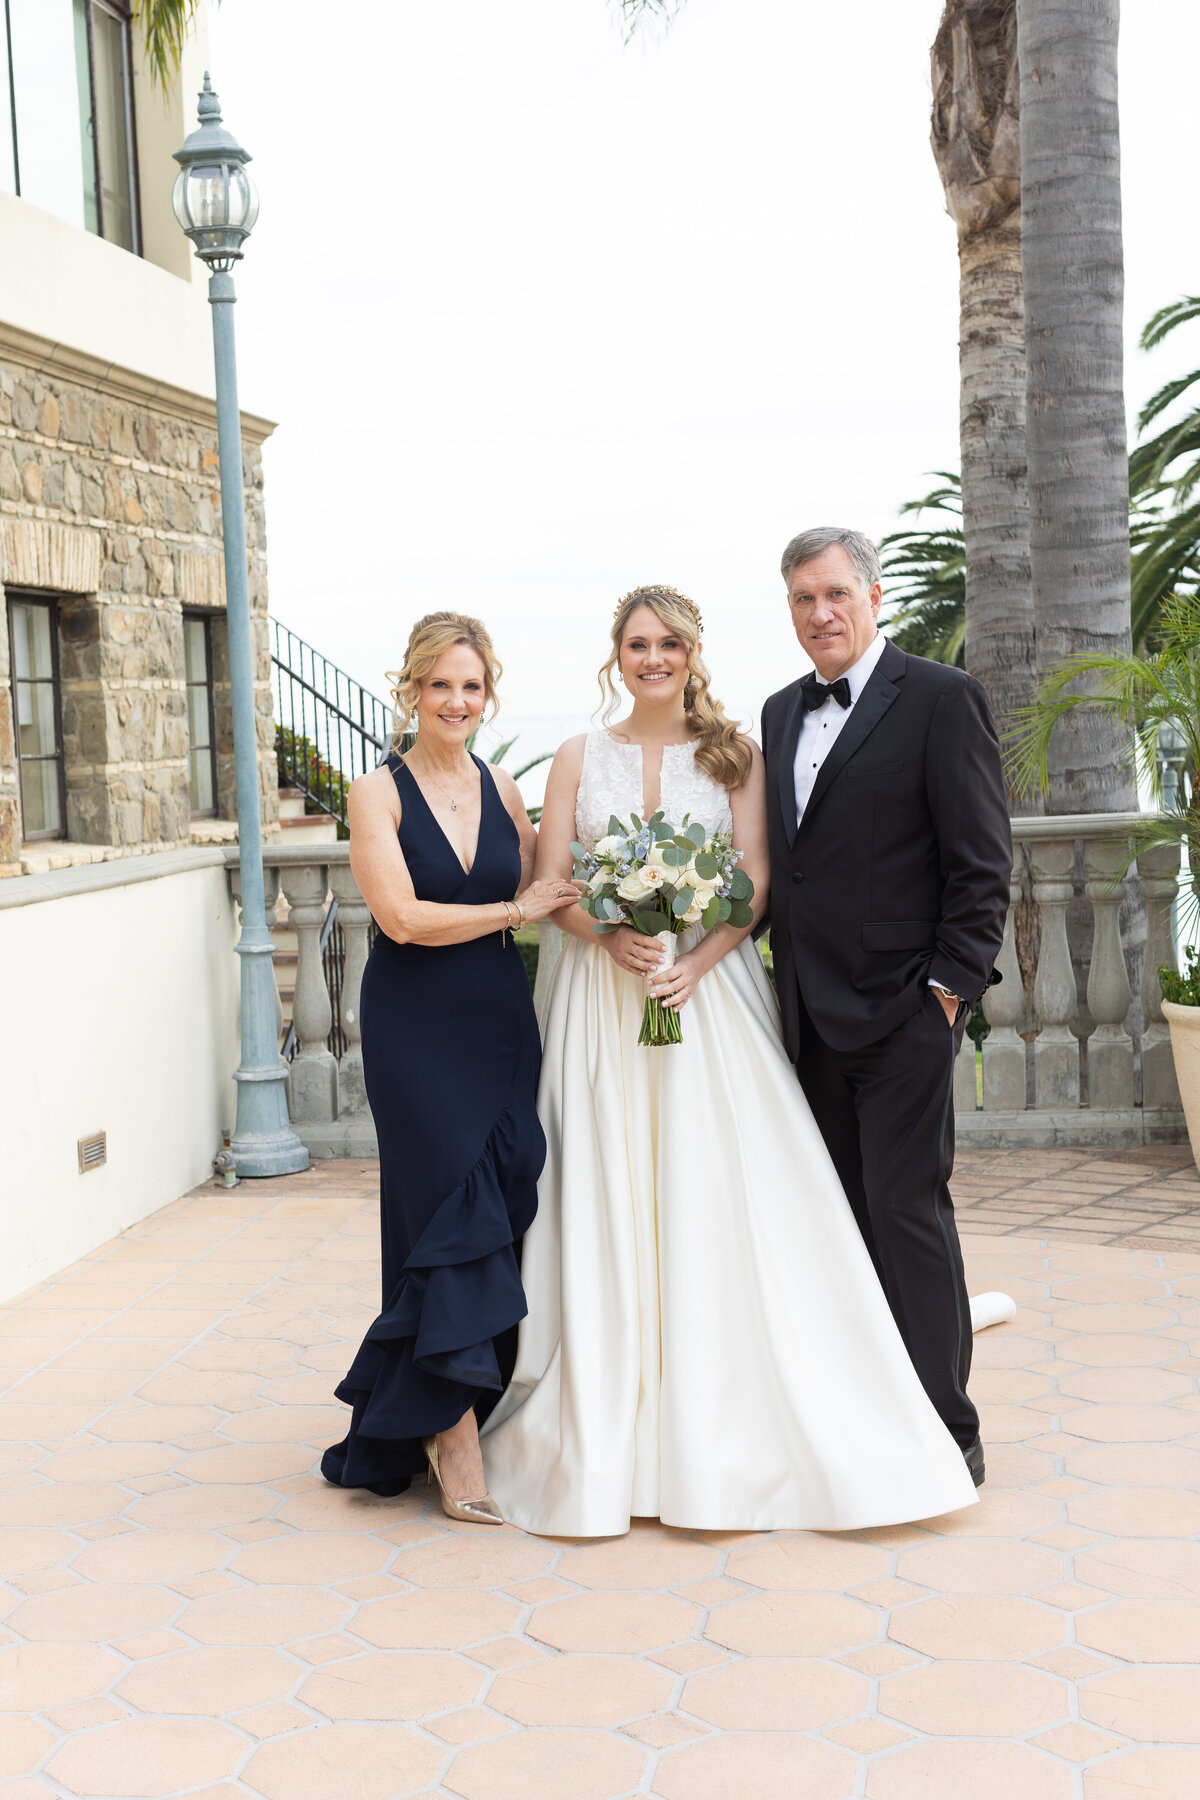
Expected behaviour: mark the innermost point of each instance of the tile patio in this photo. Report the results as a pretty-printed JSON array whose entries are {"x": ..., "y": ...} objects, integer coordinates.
[{"x": 190, "y": 1610}]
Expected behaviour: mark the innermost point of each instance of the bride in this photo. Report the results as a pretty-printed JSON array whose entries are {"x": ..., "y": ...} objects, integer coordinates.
[{"x": 707, "y": 1341}]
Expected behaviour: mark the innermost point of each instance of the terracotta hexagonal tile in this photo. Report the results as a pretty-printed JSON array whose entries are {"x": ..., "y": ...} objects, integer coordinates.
[
  {"x": 287, "y": 1425},
  {"x": 246, "y": 1462},
  {"x": 808, "y": 1562},
  {"x": 208, "y": 1682},
  {"x": 191, "y": 1508},
  {"x": 144, "y": 1424},
  {"x": 1165, "y": 1774},
  {"x": 1157, "y": 1569},
  {"x": 547, "y": 1765},
  {"x": 23, "y": 1744},
  {"x": 613, "y": 1621},
  {"x": 263, "y": 1616},
  {"x": 747, "y": 1768},
  {"x": 975, "y": 1699},
  {"x": 481, "y": 1561},
  {"x": 1120, "y": 1352},
  {"x": 391, "y": 1685},
  {"x": 984, "y": 1771},
  {"x": 1143, "y": 1631},
  {"x": 977, "y": 1627},
  {"x": 980, "y": 1566},
  {"x": 109, "y": 1462},
  {"x": 1138, "y": 1512},
  {"x": 152, "y": 1556},
  {"x": 1129, "y": 1424},
  {"x": 1136, "y": 1387},
  {"x": 344, "y": 1762},
  {"x": 91, "y": 1614},
  {"x": 36, "y": 1677},
  {"x": 775, "y": 1694},
  {"x": 580, "y": 1690},
  {"x": 1000, "y": 1513},
  {"x": 24, "y": 1551},
  {"x": 1156, "y": 1706},
  {"x": 65, "y": 1503},
  {"x": 299, "y": 1559},
  {"x": 146, "y": 1758},
  {"x": 793, "y": 1625},
  {"x": 1137, "y": 1465},
  {"x": 643, "y": 1559},
  {"x": 1077, "y": 1743},
  {"x": 325, "y": 1508},
  {"x": 434, "y": 1620}
]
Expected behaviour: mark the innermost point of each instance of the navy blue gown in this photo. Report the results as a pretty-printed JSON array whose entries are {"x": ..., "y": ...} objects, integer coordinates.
[{"x": 450, "y": 1056}]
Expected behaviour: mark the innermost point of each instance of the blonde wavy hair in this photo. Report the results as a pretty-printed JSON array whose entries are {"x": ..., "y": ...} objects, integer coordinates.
[
  {"x": 430, "y": 638},
  {"x": 721, "y": 751}
]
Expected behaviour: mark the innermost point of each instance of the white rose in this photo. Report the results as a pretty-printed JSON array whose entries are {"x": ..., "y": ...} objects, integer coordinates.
[
  {"x": 653, "y": 875},
  {"x": 692, "y": 915},
  {"x": 655, "y": 860},
  {"x": 610, "y": 846},
  {"x": 634, "y": 887}
]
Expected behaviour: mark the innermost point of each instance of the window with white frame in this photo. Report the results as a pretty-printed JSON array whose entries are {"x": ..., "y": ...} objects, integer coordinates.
[{"x": 37, "y": 713}]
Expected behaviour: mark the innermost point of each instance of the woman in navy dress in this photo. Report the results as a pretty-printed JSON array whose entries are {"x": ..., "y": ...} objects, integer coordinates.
[{"x": 442, "y": 849}]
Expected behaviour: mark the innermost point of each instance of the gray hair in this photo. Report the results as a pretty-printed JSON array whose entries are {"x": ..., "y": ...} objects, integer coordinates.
[{"x": 858, "y": 548}]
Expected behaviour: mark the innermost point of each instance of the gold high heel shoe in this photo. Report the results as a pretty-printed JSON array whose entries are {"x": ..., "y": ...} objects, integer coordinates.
[{"x": 474, "y": 1512}]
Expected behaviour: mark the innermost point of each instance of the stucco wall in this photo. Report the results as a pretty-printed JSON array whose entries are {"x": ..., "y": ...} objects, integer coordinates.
[{"x": 119, "y": 1010}]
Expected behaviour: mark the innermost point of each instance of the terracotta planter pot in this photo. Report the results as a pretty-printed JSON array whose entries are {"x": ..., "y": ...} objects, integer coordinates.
[{"x": 1185, "y": 1047}]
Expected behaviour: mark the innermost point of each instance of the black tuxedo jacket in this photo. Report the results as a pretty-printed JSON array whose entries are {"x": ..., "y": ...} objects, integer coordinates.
[{"x": 899, "y": 870}]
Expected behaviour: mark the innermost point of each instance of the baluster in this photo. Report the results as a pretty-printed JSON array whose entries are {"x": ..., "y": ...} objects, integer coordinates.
[
  {"x": 314, "y": 1079},
  {"x": 1110, "y": 1047},
  {"x": 966, "y": 1086},
  {"x": 1056, "y": 1048},
  {"x": 1159, "y": 872},
  {"x": 1003, "y": 1006},
  {"x": 354, "y": 917}
]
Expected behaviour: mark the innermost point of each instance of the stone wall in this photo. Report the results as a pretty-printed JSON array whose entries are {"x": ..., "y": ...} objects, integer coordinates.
[{"x": 110, "y": 498}]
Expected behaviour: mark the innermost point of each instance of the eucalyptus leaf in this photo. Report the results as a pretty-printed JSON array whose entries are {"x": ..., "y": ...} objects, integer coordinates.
[
  {"x": 682, "y": 901},
  {"x": 726, "y": 907},
  {"x": 697, "y": 834},
  {"x": 605, "y": 928},
  {"x": 653, "y": 922},
  {"x": 741, "y": 914},
  {"x": 615, "y": 827},
  {"x": 707, "y": 867},
  {"x": 579, "y": 853},
  {"x": 674, "y": 857},
  {"x": 610, "y": 909},
  {"x": 685, "y": 844},
  {"x": 712, "y": 913},
  {"x": 637, "y": 823},
  {"x": 740, "y": 885}
]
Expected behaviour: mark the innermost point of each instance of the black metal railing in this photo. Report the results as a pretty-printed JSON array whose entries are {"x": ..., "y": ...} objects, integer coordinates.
[{"x": 328, "y": 727}]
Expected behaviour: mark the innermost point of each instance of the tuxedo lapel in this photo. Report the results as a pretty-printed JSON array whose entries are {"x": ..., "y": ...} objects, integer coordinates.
[
  {"x": 865, "y": 715},
  {"x": 787, "y": 763}
]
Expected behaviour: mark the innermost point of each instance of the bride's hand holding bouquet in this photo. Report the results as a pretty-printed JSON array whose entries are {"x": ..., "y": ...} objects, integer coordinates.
[{"x": 648, "y": 883}]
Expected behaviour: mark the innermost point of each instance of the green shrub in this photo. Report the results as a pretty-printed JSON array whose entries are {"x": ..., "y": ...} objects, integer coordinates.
[{"x": 1182, "y": 988}]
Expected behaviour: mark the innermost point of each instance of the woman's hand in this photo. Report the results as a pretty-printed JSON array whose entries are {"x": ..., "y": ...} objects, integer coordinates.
[
  {"x": 632, "y": 950},
  {"x": 541, "y": 898},
  {"x": 676, "y": 985}
]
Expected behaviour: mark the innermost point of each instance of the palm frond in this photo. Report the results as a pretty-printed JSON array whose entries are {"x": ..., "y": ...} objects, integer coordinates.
[
  {"x": 1165, "y": 320},
  {"x": 165, "y": 25},
  {"x": 926, "y": 611},
  {"x": 636, "y": 13},
  {"x": 1166, "y": 396}
]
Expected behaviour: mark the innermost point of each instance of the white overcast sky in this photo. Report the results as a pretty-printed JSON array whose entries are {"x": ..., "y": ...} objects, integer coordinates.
[{"x": 543, "y": 316}]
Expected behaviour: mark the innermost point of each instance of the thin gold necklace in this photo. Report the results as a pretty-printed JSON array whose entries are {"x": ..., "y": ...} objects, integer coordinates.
[{"x": 437, "y": 784}]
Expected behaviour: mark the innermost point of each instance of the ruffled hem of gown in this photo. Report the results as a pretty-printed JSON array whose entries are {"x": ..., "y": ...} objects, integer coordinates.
[{"x": 416, "y": 1371}]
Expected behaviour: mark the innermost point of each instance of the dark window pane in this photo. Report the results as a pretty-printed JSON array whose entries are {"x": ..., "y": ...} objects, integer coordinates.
[
  {"x": 112, "y": 108},
  {"x": 195, "y": 650},
  {"x": 200, "y": 781}
]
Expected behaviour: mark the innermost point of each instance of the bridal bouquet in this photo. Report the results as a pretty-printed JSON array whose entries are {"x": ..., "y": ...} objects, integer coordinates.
[{"x": 661, "y": 881}]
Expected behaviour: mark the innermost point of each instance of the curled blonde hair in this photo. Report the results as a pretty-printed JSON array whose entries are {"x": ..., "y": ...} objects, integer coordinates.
[
  {"x": 721, "y": 751},
  {"x": 430, "y": 638}
]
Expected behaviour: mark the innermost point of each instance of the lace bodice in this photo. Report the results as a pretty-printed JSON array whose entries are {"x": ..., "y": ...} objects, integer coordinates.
[{"x": 611, "y": 782}]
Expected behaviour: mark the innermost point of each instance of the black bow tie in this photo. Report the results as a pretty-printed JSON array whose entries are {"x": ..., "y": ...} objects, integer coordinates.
[{"x": 814, "y": 693}]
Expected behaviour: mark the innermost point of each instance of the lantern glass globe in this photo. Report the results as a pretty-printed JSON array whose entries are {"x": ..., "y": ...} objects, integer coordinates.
[{"x": 216, "y": 203}]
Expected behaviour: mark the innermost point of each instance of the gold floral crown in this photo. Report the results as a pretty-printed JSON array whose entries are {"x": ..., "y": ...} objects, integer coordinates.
[{"x": 668, "y": 593}]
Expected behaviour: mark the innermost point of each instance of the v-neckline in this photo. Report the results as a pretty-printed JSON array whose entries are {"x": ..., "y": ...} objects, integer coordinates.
[
  {"x": 441, "y": 829},
  {"x": 647, "y": 810}
]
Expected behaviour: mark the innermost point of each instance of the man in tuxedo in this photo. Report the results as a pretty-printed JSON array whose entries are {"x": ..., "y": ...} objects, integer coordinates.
[{"x": 890, "y": 860}]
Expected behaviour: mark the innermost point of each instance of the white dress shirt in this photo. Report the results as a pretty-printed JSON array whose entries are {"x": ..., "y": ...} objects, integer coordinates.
[{"x": 821, "y": 726}]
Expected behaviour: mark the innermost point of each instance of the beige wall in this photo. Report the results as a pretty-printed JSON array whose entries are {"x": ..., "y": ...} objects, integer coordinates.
[{"x": 120, "y": 1011}]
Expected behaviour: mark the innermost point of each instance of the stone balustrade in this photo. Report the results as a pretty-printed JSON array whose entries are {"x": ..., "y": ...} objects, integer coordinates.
[
  {"x": 1072, "y": 1067},
  {"x": 1061, "y": 1067}
]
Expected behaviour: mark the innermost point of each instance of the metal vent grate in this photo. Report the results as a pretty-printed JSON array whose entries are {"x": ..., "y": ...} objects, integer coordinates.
[{"x": 93, "y": 1151}]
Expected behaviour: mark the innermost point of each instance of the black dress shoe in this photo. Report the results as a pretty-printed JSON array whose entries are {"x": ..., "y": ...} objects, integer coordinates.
[{"x": 973, "y": 1457}]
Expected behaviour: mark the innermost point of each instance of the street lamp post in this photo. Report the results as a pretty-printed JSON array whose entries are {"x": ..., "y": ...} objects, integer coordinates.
[{"x": 215, "y": 203}]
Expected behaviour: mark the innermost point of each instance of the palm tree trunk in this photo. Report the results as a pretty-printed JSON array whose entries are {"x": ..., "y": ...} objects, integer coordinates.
[
  {"x": 1075, "y": 413},
  {"x": 976, "y": 146}
]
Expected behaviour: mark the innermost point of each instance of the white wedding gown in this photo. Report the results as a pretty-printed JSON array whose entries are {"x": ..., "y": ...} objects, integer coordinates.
[{"x": 707, "y": 1342}]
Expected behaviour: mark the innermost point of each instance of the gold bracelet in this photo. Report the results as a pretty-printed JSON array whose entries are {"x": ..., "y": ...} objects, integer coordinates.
[
  {"x": 507, "y": 925},
  {"x": 520, "y": 913}
]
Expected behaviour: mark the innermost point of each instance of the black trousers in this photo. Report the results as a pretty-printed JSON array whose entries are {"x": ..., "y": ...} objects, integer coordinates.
[{"x": 887, "y": 1117}]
